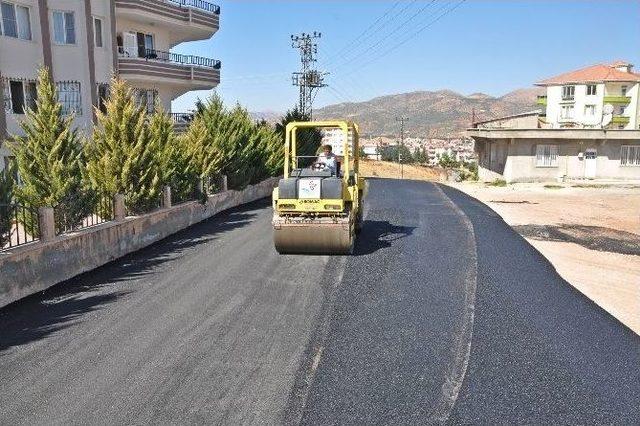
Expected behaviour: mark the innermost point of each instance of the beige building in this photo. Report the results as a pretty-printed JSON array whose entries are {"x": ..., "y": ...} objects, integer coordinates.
[
  {"x": 84, "y": 42},
  {"x": 590, "y": 130}
]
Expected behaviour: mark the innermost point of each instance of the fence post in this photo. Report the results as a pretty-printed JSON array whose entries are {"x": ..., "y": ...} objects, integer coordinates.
[
  {"x": 46, "y": 223},
  {"x": 166, "y": 196},
  {"x": 119, "y": 211},
  {"x": 200, "y": 188},
  {"x": 225, "y": 187}
]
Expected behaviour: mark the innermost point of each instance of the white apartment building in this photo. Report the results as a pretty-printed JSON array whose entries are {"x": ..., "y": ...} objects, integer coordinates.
[
  {"x": 84, "y": 42},
  {"x": 591, "y": 130},
  {"x": 599, "y": 96},
  {"x": 335, "y": 138}
]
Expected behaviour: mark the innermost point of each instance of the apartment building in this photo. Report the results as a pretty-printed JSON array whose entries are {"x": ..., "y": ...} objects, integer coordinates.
[
  {"x": 599, "y": 96},
  {"x": 590, "y": 130},
  {"x": 84, "y": 42}
]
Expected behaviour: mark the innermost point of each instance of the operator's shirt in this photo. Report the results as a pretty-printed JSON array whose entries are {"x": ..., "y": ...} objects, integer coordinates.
[{"x": 329, "y": 160}]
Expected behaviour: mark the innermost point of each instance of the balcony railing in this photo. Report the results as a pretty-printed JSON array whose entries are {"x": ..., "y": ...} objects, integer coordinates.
[
  {"x": 620, "y": 100},
  {"x": 198, "y": 4},
  {"x": 174, "y": 58},
  {"x": 620, "y": 119}
]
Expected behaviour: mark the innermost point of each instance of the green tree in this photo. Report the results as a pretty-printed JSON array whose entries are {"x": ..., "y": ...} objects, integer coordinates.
[
  {"x": 390, "y": 153},
  {"x": 123, "y": 158},
  {"x": 448, "y": 161},
  {"x": 6, "y": 198},
  {"x": 308, "y": 140},
  {"x": 420, "y": 155},
  {"x": 50, "y": 160}
]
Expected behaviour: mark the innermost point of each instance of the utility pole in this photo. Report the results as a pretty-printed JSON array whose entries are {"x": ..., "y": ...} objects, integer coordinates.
[
  {"x": 402, "y": 120},
  {"x": 307, "y": 79}
]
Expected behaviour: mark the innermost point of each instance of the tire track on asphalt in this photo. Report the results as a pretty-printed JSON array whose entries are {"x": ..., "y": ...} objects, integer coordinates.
[{"x": 462, "y": 349}]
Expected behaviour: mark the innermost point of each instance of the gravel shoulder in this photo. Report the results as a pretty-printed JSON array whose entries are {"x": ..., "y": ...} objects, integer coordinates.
[{"x": 591, "y": 235}]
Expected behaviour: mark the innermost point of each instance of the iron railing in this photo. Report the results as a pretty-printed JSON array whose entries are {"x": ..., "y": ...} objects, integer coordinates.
[
  {"x": 178, "y": 58},
  {"x": 170, "y": 57},
  {"x": 198, "y": 4},
  {"x": 19, "y": 225},
  {"x": 74, "y": 218},
  {"x": 182, "y": 117}
]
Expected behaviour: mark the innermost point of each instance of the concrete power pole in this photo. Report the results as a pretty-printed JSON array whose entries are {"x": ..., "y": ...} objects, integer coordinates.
[
  {"x": 307, "y": 79},
  {"x": 402, "y": 120}
]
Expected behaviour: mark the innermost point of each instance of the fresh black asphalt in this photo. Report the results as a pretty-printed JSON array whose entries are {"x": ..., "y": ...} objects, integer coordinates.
[{"x": 442, "y": 315}]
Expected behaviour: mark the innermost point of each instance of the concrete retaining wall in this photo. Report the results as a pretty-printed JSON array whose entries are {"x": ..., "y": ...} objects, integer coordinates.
[{"x": 35, "y": 267}]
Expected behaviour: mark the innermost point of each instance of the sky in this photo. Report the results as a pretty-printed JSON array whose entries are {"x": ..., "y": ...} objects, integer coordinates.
[{"x": 376, "y": 48}]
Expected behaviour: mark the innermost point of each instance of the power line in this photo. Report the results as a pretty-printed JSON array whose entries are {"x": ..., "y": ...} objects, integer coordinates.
[
  {"x": 413, "y": 35},
  {"x": 384, "y": 39}
]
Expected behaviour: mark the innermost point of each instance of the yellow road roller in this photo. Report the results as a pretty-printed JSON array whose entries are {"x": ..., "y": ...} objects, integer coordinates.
[{"x": 317, "y": 209}]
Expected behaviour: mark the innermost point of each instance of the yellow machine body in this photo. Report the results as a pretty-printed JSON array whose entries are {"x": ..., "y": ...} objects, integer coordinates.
[{"x": 319, "y": 225}]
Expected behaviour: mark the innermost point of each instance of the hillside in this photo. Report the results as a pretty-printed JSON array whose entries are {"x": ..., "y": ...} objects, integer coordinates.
[{"x": 440, "y": 113}]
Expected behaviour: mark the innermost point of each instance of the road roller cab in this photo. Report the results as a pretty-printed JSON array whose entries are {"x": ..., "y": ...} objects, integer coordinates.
[{"x": 317, "y": 209}]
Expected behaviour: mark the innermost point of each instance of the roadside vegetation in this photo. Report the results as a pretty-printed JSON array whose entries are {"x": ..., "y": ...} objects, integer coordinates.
[{"x": 135, "y": 153}]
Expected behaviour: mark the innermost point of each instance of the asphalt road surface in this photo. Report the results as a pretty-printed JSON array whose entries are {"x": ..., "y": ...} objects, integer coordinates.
[{"x": 442, "y": 315}]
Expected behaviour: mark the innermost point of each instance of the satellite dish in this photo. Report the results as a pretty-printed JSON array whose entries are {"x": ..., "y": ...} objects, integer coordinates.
[{"x": 608, "y": 109}]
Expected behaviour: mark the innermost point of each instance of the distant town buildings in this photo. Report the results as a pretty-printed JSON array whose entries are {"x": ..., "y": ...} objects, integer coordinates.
[{"x": 588, "y": 129}]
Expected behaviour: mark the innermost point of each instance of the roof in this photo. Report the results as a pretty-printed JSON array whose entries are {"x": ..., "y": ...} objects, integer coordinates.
[
  {"x": 594, "y": 74},
  {"x": 506, "y": 117}
]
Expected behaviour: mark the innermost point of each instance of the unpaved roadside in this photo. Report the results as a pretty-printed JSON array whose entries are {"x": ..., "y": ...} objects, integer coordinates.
[{"x": 590, "y": 235}]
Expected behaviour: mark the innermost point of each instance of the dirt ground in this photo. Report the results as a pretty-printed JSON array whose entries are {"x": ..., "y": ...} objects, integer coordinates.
[
  {"x": 591, "y": 236},
  {"x": 385, "y": 169}
]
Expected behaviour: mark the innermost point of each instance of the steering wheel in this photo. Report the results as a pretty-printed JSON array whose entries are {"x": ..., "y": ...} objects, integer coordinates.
[{"x": 319, "y": 166}]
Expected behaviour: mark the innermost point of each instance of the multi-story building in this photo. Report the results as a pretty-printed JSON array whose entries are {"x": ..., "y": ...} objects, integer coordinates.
[
  {"x": 84, "y": 42},
  {"x": 591, "y": 130},
  {"x": 600, "y": 96}
]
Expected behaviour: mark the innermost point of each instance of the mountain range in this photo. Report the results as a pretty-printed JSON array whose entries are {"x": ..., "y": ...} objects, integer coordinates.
[{"x": 439, "y": 113}]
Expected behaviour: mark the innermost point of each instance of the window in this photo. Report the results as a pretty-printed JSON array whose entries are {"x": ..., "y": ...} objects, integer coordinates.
[
  {"x": 546, "y": 155},
  {"x": 568, "y": 92},
  {"x": 591, "y": 89},
  {"x": 19, "y": 95},
  {"x": 103, "y": 96},
  {"x": 15, "y": 21},
  {"x": 97, "y": 32},
  {"x": 630, "y": 155},
  {"x": 146, "y": 98},
  {"x": 623, "y": 90},
  {"x": 69, "y": 97},
  {"x": 146, "y": 45},
  {"x": 567, "y": 112},
  {"x": 590, "y": 110},
  {"x": 64, "y": 28}
]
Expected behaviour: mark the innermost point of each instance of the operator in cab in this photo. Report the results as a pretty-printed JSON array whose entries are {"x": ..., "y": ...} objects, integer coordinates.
[{"x": 328, "y": 158}]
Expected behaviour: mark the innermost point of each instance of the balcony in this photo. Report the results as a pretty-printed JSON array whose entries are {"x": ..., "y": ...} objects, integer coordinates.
[
  {"x": 181, "y": 121},
  {"x": 542, "y": 100},
  {"x": 183, "y": 20},
  {"x": 183, "y": 72},
  {"x": 617, "y": 100},
  {"x": 620, "y": 119}
]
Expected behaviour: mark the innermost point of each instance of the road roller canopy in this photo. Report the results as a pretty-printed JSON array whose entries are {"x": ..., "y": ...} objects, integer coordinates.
[{"x": 350, "y": 149}]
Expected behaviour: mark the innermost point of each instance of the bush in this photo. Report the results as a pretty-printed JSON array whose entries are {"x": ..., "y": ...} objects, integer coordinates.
[{"x": 498, "y": 182}]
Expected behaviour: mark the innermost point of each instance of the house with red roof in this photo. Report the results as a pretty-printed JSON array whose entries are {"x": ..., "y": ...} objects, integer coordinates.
[{"x": 588, "y": 128}]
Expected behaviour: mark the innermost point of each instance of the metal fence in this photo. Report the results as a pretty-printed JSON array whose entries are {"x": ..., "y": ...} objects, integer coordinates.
[
  {"x": 177, "y": 58},
  {"x": 198, "y": 4},
  {"x": 19, "y": 225},
  {"x": 74, "y": 218}
]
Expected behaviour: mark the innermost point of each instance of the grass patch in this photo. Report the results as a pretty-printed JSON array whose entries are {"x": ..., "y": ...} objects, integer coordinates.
[
  {"x": 497, "y": 182},
  {"x": 551, "y": 186}
]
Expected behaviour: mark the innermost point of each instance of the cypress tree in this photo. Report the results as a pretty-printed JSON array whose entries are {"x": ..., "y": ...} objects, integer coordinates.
[
  {"x": 123, "y": 158},
  {"x": 50, "y": 160},
  {"x": 6, "y": 198}
]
